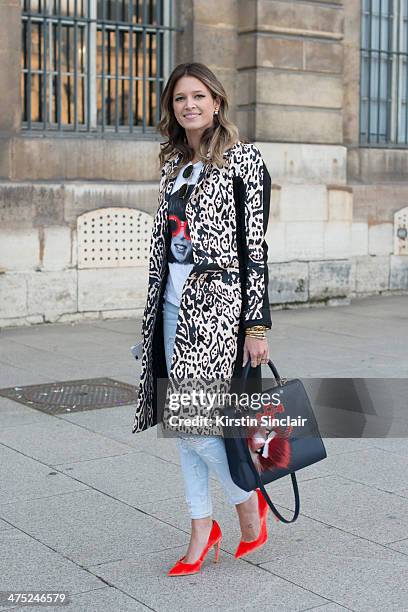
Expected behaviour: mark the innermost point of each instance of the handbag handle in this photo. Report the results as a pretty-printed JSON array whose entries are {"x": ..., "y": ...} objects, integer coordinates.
[
  {"x": 273, "y": 508},
  {"x": 270, "y": 364},
  {"x": 255, "y": 471}
]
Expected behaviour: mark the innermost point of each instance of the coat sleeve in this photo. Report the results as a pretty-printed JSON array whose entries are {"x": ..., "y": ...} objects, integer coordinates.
[{"x": 257, "y": 183}]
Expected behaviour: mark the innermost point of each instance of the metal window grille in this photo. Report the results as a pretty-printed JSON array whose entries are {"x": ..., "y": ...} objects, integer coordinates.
[
  {"x": 384, "y": 73},
  {"x": 95, "y": 65}
]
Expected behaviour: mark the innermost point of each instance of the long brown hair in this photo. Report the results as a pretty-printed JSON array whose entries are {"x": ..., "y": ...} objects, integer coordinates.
[{"x": 222, "y": 135}]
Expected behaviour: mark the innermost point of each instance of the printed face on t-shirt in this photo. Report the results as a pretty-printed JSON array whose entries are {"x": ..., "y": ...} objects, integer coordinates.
[{"x": 180, "y": 246}]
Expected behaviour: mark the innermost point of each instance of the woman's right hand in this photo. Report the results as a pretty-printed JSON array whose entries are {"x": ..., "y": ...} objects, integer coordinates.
[{"x": 257, "y": 350}]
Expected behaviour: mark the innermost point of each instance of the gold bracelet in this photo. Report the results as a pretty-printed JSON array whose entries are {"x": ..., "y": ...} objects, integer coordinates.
[
  {"x": 255, "y": 335},
  {"x": 256, "y": 331}
]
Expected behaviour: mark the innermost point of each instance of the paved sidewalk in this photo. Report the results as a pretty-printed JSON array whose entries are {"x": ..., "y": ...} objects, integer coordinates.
[{"x": 91, "y": 509}]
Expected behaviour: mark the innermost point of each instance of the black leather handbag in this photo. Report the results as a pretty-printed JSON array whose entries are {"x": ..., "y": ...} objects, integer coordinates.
[{"x": 304, "y": 446}]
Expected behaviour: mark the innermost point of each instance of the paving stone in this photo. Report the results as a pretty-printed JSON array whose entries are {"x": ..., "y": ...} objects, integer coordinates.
[
  {"x": 60, "y": 442},
  {"x": 331, "y": 607},
  {"x": 359, "y": 583},
  {"x": 5, "y": 526},
  {"x": 12, "y": 375},
  {"x": 392, "y": 445},
  {"x": 103, "y": 420},
  {"x": 359, "y": 509},
  {"x": 403, "y": 493},
  {"x": 132, "y": 478},
  {"x": 27, "y": 563},
  {"x": 13, "y": 414},
  {"x": 20, "y": 356},
  {"x": 222, "y": 587},
  {"x": 372, "y": 466},
  {"x": 338, "y": 446},
  {"x": 81, "y": 369},
  {"x": 97, "y": 600},
  {"x": 93, "y": 340},
  {"x": 368, "y": 368},
  {"x": 400, "y": 545},
  {"x": 89, "y": 527},
  {"x": 102, "y": 332},
  {"x": 25, "y": 478},
  {"x": 307, "y": 535},
  {"x": 303, "y": 536},
  {"x": 116, "y": 424}
]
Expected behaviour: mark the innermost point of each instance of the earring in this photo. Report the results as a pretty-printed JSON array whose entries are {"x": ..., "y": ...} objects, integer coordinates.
[{"x": 216, "y": 111}]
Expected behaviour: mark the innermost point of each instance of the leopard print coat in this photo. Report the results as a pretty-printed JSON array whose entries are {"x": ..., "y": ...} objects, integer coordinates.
[{"x": 227, "y": 289}]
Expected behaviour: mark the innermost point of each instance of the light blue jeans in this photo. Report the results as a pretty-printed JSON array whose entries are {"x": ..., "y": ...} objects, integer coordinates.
[{"x": 199, "y": 454}]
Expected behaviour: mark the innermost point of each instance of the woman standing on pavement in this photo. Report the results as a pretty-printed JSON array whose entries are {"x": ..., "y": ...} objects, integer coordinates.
[{"x": 206, "y": 312}]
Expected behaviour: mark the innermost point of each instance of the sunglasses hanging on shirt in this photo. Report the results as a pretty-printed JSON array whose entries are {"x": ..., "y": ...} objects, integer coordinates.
[{"x": 187, "y": 172}]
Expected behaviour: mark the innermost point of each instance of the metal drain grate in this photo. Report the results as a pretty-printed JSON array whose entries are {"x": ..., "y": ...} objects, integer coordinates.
[{"x": 73, "y": 395}]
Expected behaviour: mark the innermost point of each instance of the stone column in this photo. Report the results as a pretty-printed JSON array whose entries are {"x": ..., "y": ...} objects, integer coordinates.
[
  {"x": 10, "y": 52},
  {"x": 290, "y": 103},
  {"x": 291, "y": 70},
  {"x": 214, "y": 41},
  {"x": 10, "y": 103}
]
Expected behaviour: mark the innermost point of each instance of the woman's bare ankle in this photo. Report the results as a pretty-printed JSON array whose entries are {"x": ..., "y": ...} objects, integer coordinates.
[
  {"x": 200, "y": 532},
  {"x": 249, "y": 520}
]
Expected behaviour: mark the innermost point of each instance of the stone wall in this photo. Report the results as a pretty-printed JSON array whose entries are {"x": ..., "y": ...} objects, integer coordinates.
[
  {"x": 330, "y": 241},
  {"x": 40, "y": 279}
]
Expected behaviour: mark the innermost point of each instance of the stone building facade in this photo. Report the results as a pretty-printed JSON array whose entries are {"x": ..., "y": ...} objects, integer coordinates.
[{"x": 292, "y": 71}]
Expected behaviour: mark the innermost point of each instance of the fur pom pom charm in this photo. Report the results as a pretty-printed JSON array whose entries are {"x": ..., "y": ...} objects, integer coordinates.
[
  {"x": 269, "y": 447},
  {"x": 276, "y": 451}
]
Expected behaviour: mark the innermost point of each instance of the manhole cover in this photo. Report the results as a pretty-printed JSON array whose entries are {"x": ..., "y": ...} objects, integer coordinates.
[{"x": 73, "y": 395}]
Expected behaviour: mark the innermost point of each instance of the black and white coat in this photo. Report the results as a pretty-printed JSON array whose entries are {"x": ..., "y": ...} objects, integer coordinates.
[{"x": 227, "y": 289}]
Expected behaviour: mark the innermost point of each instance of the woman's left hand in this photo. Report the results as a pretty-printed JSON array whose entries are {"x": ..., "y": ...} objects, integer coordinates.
[{"x": 255, "y": 349}]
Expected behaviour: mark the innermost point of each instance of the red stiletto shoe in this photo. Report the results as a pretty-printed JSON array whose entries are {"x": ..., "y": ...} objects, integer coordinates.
[
  {"x": 214, "y": 539},
  {"x": 245, "y": 548}
]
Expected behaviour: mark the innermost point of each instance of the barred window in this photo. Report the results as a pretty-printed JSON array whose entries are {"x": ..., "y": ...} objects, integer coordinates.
[
  {"x": 384, "y": 72},
  {"x": 95, "y": 65}
]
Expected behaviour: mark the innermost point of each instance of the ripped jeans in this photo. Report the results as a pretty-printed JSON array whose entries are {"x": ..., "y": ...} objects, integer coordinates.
[{"x": 199, "y": 454}]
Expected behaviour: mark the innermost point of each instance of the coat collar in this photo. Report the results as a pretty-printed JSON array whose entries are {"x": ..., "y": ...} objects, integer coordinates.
[{"x": 174, "y": 162}]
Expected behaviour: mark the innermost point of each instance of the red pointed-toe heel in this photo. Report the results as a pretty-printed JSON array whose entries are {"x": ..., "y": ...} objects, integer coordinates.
[
  {"x": 214, "y": 539},
  {"x": 244, "y": 548}
]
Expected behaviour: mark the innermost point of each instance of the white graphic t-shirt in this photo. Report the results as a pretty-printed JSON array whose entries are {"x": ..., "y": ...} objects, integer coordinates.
[{"x": 181, "y": 253}]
